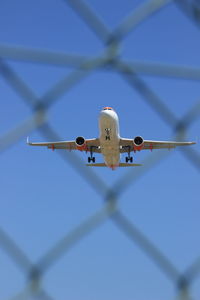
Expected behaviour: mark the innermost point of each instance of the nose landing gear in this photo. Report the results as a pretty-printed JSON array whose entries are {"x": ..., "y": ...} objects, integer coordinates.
[{"x": 107, "y": 130}]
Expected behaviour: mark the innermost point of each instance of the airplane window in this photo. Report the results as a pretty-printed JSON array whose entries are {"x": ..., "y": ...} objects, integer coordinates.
[{"x": 107, "y": 108}]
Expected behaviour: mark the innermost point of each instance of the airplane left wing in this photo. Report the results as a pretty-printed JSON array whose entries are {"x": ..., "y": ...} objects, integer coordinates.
[
  {"x": 70, "y": 145},
  {"x": 164, "y": 144},
  {"x": 128, "y": 145}
]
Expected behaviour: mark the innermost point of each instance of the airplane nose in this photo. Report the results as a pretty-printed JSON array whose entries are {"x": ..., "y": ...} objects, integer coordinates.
[{"x": 105, "y": 115}]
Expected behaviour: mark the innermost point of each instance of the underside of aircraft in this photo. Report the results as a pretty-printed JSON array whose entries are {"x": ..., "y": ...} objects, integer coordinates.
[{"x": 110, "y": 144}]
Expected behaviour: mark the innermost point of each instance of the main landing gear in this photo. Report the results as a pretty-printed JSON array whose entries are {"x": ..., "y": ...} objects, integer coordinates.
[
  {"x": 129, "y": 157},
  {"x": 91, "y": 157}
]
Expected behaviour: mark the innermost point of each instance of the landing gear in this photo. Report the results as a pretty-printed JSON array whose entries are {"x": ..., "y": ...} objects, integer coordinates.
[
  {"x": 107, "y": 130},
  {"x": 129, "y": 157},
  {"x": 91, "y": 157}
]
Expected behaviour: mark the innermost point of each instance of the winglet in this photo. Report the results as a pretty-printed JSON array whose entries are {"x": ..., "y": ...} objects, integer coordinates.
[{"x": 27, "y": 141}]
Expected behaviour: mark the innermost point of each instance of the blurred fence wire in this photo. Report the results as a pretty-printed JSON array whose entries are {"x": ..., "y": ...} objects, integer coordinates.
[{"x": 130, "y": 71}]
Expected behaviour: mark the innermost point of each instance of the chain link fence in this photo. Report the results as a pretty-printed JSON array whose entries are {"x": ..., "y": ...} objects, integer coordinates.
[{"x": 130, "y": 71}]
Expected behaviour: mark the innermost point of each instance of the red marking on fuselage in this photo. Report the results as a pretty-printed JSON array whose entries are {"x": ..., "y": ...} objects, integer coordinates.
[
  {"x": 113, "y": 167},
  {"x": 107, "y": 108}
]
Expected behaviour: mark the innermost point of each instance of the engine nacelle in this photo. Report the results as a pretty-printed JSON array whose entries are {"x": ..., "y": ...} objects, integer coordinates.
[
  {"x": 80, "y": 143},
  {"x": 138, "y": 143}
]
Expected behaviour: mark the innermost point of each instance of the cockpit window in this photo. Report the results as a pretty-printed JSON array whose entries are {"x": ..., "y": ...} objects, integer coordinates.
[{"x": 107, "y": 108}]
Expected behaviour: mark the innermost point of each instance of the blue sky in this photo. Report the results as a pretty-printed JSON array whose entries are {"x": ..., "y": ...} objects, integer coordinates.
[{"x": 43, "y": 198}]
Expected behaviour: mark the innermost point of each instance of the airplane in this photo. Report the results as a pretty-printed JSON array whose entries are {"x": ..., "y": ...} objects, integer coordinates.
[{"x": 110, "y": 144}]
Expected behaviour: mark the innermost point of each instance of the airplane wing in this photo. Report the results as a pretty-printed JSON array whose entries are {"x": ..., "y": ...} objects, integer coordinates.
[
  {"x": 69, "y": 145},
  {"x": 126, "y": 144}
]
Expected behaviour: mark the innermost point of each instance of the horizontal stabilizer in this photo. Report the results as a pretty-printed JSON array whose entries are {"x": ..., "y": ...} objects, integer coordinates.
[
  {"x": 96, "y": 165},
  {"x": 120, "y": 165},
  {"x": 129, "y": 165}
]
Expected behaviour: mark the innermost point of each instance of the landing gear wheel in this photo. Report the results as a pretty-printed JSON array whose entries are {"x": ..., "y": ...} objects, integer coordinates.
[
  {"x": 91, "y": 159},
  {"x": 129, "y": 159}
]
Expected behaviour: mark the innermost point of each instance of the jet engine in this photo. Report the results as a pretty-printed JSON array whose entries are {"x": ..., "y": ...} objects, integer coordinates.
[
  {"x": 80, "y": 143},
  {"x": 138, "y": 143}
]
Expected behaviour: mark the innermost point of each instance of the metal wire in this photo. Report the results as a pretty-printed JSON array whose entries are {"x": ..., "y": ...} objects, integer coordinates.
[{"x": 130, "y": 72}]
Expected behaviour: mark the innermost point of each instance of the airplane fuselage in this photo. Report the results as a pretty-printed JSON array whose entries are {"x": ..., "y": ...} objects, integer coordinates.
[{"x": 109, "y": 137}]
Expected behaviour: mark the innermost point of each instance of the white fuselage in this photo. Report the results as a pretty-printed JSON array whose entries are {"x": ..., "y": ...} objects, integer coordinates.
[{"x": 109, "y": 137}]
